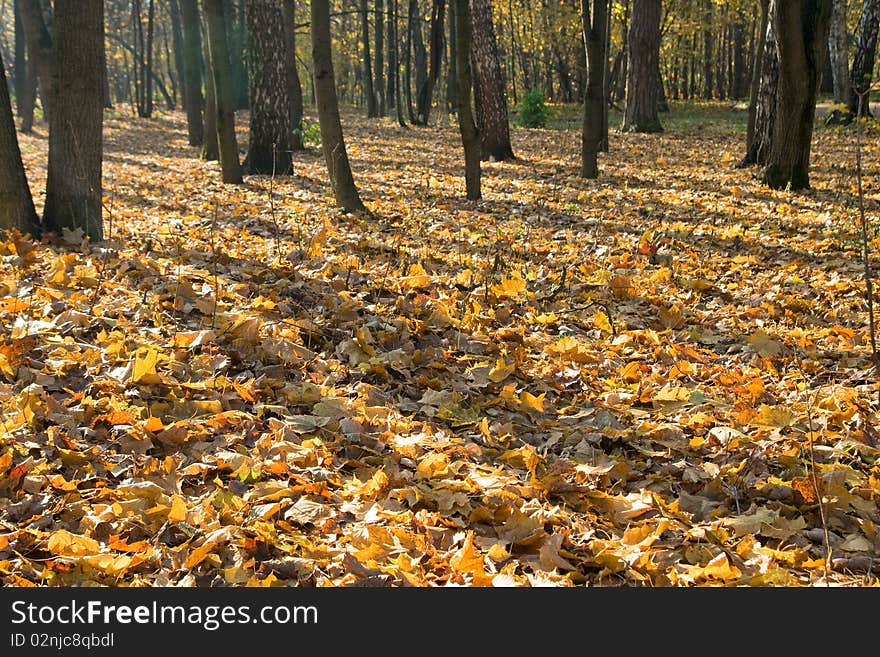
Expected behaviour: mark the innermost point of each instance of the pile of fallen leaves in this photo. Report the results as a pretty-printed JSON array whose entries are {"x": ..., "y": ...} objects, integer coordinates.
[{"x": 660, "y": 378}]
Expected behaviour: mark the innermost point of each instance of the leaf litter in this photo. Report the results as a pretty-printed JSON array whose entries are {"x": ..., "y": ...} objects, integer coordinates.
[{"x": 604, "y": 383}]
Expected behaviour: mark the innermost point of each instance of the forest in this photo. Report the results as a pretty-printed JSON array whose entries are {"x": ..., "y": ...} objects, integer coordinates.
[{"x": 434, "y": 293}]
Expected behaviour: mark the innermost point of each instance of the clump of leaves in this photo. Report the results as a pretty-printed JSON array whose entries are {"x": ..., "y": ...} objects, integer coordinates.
[
  {"x": 533, "y": 111},
  {"x": 310, "y": 131}
]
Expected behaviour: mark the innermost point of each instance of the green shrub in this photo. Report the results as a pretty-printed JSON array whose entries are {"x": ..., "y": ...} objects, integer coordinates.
[
  {"x": 311, "y": 132},
  {"x": 533, "y": 113}
]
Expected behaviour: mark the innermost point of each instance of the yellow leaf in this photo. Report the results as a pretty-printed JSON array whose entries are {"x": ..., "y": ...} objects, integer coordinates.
[
  {"x": 154, "y": 424},
  {"x": 435, "y": 464},
  {"x": 145, "y": 361},
  {"x": 501, "y": 371},
  {"x": 600, "y": 321},
  {"x": 468, "y": 560},
  {"x": 316, "y": 244},
  {"x": 63, "y": 543},
  {"x": 178, "y": 509},
  {"x": 529, "y": 401}
]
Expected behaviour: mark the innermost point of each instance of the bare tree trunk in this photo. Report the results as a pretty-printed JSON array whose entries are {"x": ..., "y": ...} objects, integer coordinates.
[
  {"x": 425, "y": 85},
  {"x": 223, "y": 91},
  {"x": 801, "y": 36},
  {"x": 210, "y": 146},
  {"x": 192, "y": 72},
  {"x": 595, "y": 32},
  {"x": 294, "y": 87},
  {"x": 708, "y": 39},
  {"x": 837, "y": 47},
  {"x": 470, "y": 137},
  {"x": 73, "y": 183},
  {"x": 489, "y": 89},
  {"x": 379, "y": 59},
  {"x": 25, "y": 76},
  {"x": 367, "y": 62},
  {"x": 269, "y": 150},
  {"x": 392, "y": 47},
  {"x": 451, "y": 69},
  {"x": 332, "y": 140},
  {"x": 177, "y": 43},
  {"x": 862, "y": 71},
  {"x": 755, "y": 85},
  {"x": 39, "y": 49},
  {"x": 643, "y": 44},
  {"x": 16, "y": 204},
  {"x": 398, "y": 93}
]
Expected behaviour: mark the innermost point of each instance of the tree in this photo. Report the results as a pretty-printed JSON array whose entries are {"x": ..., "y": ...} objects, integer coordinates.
[
  {"x": 426, "y": 84},
  {"x": 643, "y": 46},
  {"x": 39, "y": 49},
  {"x": 837, "y": 49},
  {"x": 294, "y": 88},
  {"x": 223, "y": 91},
  {"x": 332, "y": 140},
  {"x": 866, "y": 54},
  {"x": 16, "y": 204},
  {"x": 470, "y": 136},
  {"x": 379, "y": 60},
  {"x": 73, "y": 183},
  {"x": 194, "y": 102},
  {"x": 755, "y": 84},
  {"x": 759, "y": 138},
  {"x": 801, "y": 34},
  {"x": 210, "y": 145},
  {"x": 25, "y": 76},
  {"x": 367, "y": 62},
  {"x": 490, "y": 97},
  {"x": 269, "y": 149},
  {"x": 595, "y": 106}
]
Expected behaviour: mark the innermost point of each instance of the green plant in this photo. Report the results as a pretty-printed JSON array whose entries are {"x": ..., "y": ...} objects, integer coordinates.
[
  {"x": 533, "y": 112},
  {"x": 310, "y": 131}
]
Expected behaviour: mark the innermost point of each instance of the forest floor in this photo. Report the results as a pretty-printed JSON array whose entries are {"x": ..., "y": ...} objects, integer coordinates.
[{"x": 660, "y": 378}]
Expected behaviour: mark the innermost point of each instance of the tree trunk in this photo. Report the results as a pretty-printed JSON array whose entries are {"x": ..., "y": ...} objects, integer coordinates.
[
  {"x": 177, "y": 43},
  {"x": 379, "y": 59},
  {"x": 332, "y": 140},
  {"x": 489, "y": 90},
  {"x": 708, "y": 39},
  {"x": 862, "y": 71},
  {"x": 73, "y": 183},
  {"x": 210, "y": 146},
  {"x": 392, "y": 48},
  {"x": 738, "y": 86},
  {"x": 451, "y": 69},
  {"x": 758, "y": 68},
  {"x": 192, "y": 72},
  {"x": 39, "y": 49},
  {"x": 420, "y": 60},
  {"x": 425, "y": 86},
  {"x": 643, "y": 44},
  {"x": 367, "y": 62},
  {"x": 16, "y": 205},
  {"x": 595, "y": 31},
  {"x": 294, "y": 87},
  {"x": 395, "y": 76},
  {"x": 801, "y": 36},
  {"x": 25, "y": 76},
  {"x": 837, "y": 47},
  {"x": 270, "y": 130},
  {"x": 148, "y": 79},
  {"x": 235, "y": 29},
  {"x": 470, "y": 136},
  {"x": 223, "y": 91}
]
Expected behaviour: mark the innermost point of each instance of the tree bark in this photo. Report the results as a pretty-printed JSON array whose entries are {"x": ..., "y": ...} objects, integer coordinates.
[
  {"x": 16, "y": 204},
  {"x": 73, "y": 183},
  {"x": 837, "y": 48},
  {"x": 367, "y": 62},
  {"x": 643, "y": 44},
  {"x": 177, "y": 44},
  {"x": 594, "y": 25},
  {"x": 451, "y": 69},
  {"x": 490, "y": 97},
  {"x": 379, "y": 59},
  {"x": 708, "y": 39},
  {"x": 801, "y": 36},
  {"x": 223, "y": 91},
  {"x": 269, "y": 150},
  {"x": 194, "y": 102},
  {"x": 862, "y": 71},
  {"x": 470, "y": 136},
  {"x": 757, "y": 72},
  {"x": 25, "y": 76},
  {"x": 332, "y": 139},
  {"x": 294, "y": 87},
  {"x": 39, "y": 49},
  {"x": 395, "y": 74},
  {"x": 425, "y": 87},
  {"x": 210, "y": 145}
]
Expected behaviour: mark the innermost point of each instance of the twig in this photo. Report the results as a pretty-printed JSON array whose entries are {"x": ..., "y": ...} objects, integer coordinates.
[{"x": 815, "y": 481}]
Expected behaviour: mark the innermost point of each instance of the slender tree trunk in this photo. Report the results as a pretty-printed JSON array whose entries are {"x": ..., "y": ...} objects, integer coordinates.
[
  {"x": 294, "y": 87},
  {"x": 193, "y": 100},
  {"x": 755, "y": 85},
  {"x": 739, "y": 86},
  {"x": 235, "y": 36},
  {"x": 367, "y": 62},
  {"x": 862, "y": 71},
  {"x": 470, "y": 136},
  {"x": 407, "y": 71},
  {"x": 39, "y": 49},
  {"x": 73, "y": 183},
  {"x": 210, "y": 145},
  {"x": 594, "y": 30},
  {"x": 420, "y": 62},
  {"x": 837, "y": 48},
  {"x": 425, "y": 94},
  {"x": 452, "y": 69},
  {"x": 801, "y": 36},
  {"x": 398, "y": 94},
  {"x": 269, "y": 150},
  {"x": 489, "y": 86},
  {"x": 25, "y": 76},
  {"x": 223, "y": 91},
  {"x": 148, "y": 78},
  {"x": 16, "y": 204},
  {"x": 643, "y": 44},
  {"x": 332, "y": 140},
  {"x": 177, "y": 43},
  {"x": 768, "y": 90},
  {"x": 379, "y": 59},
  {"x": 708, "y": 40},
  {"x": 392, "y": 48}
]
